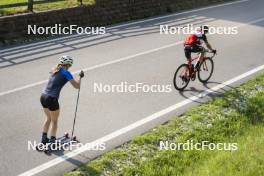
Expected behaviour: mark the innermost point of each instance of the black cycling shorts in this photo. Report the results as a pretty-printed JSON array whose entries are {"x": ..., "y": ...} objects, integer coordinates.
[
  {"x": 188, "y": 49},
  {"x": 49, "y": 102}
]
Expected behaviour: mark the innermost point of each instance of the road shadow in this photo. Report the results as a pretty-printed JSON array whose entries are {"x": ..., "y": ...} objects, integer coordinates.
[
  {"x": 209, "y": 92},
  {"x": 11, "y": 56},
  {"x": 247, "y": 12},
  {"x": 23, "y": 53},
  {"x": 191, "y": 91}
]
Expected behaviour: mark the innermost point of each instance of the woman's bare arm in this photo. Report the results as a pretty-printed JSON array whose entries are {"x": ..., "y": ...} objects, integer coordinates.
[{"x": 75, "y": 83}]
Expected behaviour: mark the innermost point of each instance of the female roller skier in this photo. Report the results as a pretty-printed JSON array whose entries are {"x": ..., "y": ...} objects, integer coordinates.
[{"x": 50, "y": 95}]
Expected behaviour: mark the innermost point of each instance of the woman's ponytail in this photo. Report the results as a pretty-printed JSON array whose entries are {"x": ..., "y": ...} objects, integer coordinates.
[{"x": 56, "y": 69}]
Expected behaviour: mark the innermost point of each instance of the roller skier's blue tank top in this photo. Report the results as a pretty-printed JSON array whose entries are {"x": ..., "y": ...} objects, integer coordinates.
[{"x": 56, "y": 82}]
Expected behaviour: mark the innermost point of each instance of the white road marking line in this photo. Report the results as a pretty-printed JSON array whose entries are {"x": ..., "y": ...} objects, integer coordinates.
[
  {"x": 138, "y": 22},
  {"x": 113, "y": 62},
  {"x": 130, "y": 57},
  {"x": 93, "y": 67},
  {"x": 137, "y": 124}
]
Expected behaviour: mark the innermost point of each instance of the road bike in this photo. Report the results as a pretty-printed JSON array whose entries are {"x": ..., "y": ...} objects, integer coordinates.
[{"x": 187, "y": 71}]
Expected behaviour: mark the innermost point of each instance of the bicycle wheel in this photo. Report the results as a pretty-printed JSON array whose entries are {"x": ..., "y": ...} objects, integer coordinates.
[
  {"x": 181, "y": 77},
  {"x": 206, "y": 70}
]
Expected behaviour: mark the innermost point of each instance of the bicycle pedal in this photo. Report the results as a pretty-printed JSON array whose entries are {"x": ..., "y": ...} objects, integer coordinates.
[{"x": 193, "y": 77}]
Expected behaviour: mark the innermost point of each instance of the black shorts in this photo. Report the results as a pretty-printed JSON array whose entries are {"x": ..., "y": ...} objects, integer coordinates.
[
  {"x": 188, "y": 49},
  {"x": 49, "y": 102}
]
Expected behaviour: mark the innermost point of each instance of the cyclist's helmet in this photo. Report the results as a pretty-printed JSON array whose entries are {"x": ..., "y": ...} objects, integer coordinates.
[
  {"x": 204, "y": 28},
  {"x": 66, "y": 60}
]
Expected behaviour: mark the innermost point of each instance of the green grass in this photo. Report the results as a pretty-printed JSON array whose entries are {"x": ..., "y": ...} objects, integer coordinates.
[
  {"x": 40, "y": 7},
  {"x": 2, "y": 2},
  {"x": 235, "y": 117},
  {"x": 247, "y": 161}
]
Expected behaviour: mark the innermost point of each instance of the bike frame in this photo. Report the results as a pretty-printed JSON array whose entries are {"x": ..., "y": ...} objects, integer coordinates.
[
  {"x": 190, "y": 64},
  {"x": 193, "y": 59}
]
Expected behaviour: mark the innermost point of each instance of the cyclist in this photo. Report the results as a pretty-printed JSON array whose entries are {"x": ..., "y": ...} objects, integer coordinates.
[
  {"x": 193, "y": 43},
  {"x": 50, "y": 95}
]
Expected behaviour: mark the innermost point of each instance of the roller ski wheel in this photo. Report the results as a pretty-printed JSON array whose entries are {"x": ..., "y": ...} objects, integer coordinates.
[{"x": 74, "y": 138}]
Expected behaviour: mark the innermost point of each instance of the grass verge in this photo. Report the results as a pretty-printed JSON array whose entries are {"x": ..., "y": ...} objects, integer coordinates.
[
  {"x": 236, "y": 117},
  {"x": 39, "y": 7}
]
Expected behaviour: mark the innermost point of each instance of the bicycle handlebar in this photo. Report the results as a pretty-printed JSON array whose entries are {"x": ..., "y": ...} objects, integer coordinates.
[{"x": 214, "y": 53}]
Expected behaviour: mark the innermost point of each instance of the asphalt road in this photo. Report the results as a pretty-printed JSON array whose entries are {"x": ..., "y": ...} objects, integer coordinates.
[{"x": 134, "y": 53}]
